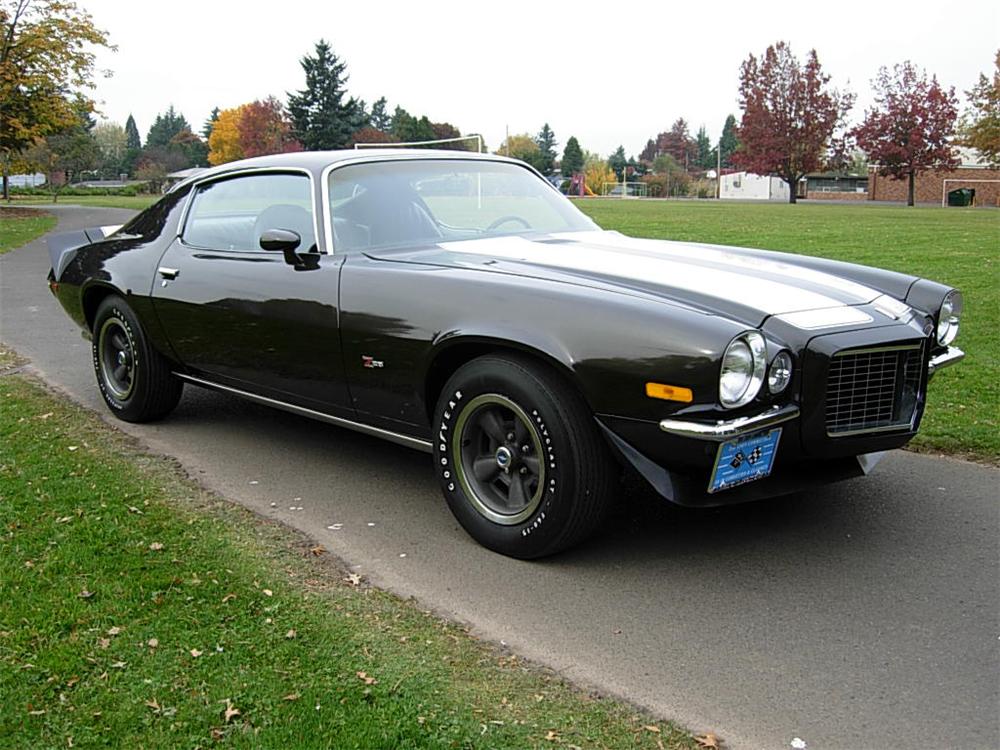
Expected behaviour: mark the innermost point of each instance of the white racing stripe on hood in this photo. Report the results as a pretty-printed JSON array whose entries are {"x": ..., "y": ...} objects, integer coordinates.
[{"x": 656, "y": 262}]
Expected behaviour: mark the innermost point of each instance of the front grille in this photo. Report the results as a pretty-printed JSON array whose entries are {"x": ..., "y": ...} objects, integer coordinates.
[{"x": 874, "y": 389}]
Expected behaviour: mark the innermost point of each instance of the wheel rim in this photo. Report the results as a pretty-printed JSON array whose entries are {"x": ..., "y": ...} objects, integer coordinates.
[
  {"x": 499, "y": 459},
  {"x": 117, "y": 359}
]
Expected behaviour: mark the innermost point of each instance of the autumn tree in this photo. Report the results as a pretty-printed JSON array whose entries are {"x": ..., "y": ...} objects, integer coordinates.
[
  {"x": 546, "y": 140},
  {"x": 908, "y": 130},
  {"x": 572, "y": 159},
  {"x": 596, "y": 173},
  {"x": 112, "y": 144},
  {"x": 370, "y": 134},
  {"x": 63, "y": 156},
  {"x": 981, "y": 124},
  {"x": 790, "y": 114},
  {"x": 264, "y": 129},
  {"x": 224, "y": 142},
  {"x": 520, "y": 146},
  {"x": 46, "y": 63},
  {"x": 323, "y": 115}
]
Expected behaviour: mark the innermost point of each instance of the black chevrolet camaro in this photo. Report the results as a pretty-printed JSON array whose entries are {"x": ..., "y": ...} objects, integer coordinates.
[{"x": 458, "y": 304}]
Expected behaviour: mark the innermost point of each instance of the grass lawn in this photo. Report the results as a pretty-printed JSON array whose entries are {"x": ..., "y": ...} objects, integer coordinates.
[
  {"x": 140, "y": 611},
  {"x": 19, "y": 226},
  {"x": 135, "y": 202},
  {"x": 953, "y": 246}
]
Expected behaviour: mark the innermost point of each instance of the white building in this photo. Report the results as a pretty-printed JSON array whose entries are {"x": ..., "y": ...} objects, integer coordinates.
[{"x": 753, "y": 187}]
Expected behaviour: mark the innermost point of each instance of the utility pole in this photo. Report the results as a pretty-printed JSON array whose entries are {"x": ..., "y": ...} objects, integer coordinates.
[{"x": 718, "y": 170}]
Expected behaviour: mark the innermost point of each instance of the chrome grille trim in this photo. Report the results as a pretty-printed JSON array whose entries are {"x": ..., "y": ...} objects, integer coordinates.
[{"x": 874, "y": 389}]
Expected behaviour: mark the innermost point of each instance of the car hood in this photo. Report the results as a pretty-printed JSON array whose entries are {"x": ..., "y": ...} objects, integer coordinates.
[{"x": 745, "y": 285}]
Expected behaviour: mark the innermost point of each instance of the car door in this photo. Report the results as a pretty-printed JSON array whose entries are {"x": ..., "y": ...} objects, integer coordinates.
[{"x": 248, "y": 318}]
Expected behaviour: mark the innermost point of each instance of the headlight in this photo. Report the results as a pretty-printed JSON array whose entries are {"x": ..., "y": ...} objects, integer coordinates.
[
  {"x": 951, "y": 309},
  {"x": 742, "y": 373},
  {"x": 780, "y": 374}
]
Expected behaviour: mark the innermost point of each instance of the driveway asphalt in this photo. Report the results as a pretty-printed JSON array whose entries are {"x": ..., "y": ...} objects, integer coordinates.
[{"x": 863, "y": 615}]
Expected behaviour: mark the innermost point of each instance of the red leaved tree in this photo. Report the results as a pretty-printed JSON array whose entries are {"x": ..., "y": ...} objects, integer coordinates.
[
  {"x": 908, "y": 130},
  {"x": 264, "y": 129},
  {"x": 789, "y": 115}
]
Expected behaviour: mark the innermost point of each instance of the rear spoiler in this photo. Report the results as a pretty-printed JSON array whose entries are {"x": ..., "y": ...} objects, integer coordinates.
[{"x": 63, "y": 246}]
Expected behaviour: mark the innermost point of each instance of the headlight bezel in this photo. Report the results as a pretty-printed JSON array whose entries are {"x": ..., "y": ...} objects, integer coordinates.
[
  {"x": 949, "y": 317},
  {"x": 733, "y": 392}
]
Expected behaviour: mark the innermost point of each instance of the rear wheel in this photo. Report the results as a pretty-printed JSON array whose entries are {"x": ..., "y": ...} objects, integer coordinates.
[
  {"x": 134, "y": 379},
  {"x": 519, "y": 457}
]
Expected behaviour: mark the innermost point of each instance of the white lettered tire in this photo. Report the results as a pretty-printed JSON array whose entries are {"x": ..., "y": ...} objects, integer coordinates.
[{"x": 519, "y": 457}]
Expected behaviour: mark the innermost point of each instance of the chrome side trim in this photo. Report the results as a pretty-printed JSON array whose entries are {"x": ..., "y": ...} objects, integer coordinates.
[
  {"x": 392, "y": 437},
  {"x": 730, "y": 428},
  {"x": 949, "y": 357}
]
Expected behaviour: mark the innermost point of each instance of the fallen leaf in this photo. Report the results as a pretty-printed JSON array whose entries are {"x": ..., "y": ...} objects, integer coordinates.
[
  {"x": 153, "y": 705},
  {"x": 64, "y": 519},
  {"x": 153, "y": 642},
  {"x": 29, "y": 563},
  {"x": 291, "y": 697},
  {"x": 228, "y": 597},
  {"x": 119, "y": 665},
  {"x": 156, "y": 546},
  {"x": 72, "y": 681},
  {"x": 353, "y": 578},
  {"x": 268, "y": 592},
  {"x": 651, "y": 728},
  {"x": 196, "y": 653},
  {"x": 86, "y": 594},
  {"x": 552, "y": 735},
  {"x": 708, "y": 741},
  {"x": 231, "y": 711},
  {"x": 112, "y": 631},
  {"x": 217, "y": 734},
  {"x": 36, "y": 713},
  {"x": 104, "y": 642},
  {"x": 317, "y": 550},
  {"x": 73, "y": 447},
  {"x": 367, "y": 679},
  {"x": 290, "y": 634},
  {"x": 46, "y": 415}
]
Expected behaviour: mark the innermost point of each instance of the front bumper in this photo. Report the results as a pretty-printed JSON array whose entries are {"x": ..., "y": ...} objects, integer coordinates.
[
  {"x": 728, "y": 429},
  {"x": 946, "y": 358}
]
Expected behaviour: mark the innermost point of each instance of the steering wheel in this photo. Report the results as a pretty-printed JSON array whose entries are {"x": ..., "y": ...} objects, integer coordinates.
[{"x": 504, "y": 219}]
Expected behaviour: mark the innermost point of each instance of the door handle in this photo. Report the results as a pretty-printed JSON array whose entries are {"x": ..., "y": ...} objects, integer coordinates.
[{"x": 168, "y": 273}]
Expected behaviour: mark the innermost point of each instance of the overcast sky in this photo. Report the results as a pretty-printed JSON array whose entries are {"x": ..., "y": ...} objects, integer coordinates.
[{"x": 609, "y": 73}]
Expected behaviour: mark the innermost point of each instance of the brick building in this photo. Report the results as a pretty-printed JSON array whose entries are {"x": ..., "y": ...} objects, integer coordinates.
[{"x": 930, "y": 187}]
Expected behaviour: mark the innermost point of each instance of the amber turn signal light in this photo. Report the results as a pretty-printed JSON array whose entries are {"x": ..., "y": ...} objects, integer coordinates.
[{"x": 669, "y": 392}]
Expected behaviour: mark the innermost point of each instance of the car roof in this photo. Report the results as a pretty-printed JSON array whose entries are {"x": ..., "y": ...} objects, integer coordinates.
[{"x": 317, "y": 160}]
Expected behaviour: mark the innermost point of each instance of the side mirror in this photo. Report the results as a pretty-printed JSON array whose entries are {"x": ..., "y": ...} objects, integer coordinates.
[{"x": 283, "y": 241}]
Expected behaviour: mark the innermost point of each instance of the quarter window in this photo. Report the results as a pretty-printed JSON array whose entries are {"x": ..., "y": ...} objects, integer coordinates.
[{"x": 232, "y": 214}]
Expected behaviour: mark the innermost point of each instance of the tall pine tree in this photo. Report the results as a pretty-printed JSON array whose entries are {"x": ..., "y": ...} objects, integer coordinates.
[
  {"x": 165, "y": 127},
  {"x": 572, "y": 160},
  {"x": 546, "y": 140},
  {"x": 132, "y": 139},
  {"x": 706, "y": 155},
  {"x": 729, "y": 142},
  {"x": 323, "y": 116}
]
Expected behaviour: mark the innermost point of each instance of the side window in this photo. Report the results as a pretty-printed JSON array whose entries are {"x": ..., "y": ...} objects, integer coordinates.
[{"x": 232, "y": 214}]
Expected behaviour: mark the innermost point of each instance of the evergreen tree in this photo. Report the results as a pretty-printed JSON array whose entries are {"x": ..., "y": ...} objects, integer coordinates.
[
  {"x": 729, "y": 142},
  {"x": 572, "y": 160},
  {"x": 546, "y": 140},
  {"x": 407, "y": 128},
  {"x": 206, "y": 129},
  {"x": 323, "y": 116},
  {"x": 380, "y": 119},
  {"x": 706, "y": 155},
  {"x": 133, "y": 141},
  {"x": 165, "y": 127},
  {"x": 618, "y": 162}
]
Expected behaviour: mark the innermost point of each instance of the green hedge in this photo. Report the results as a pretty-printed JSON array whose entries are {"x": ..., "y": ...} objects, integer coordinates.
[{"x": 135, "y": 189}]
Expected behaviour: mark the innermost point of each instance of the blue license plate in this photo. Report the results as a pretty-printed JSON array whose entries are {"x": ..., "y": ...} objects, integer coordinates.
[{"x": 743, "y": 460}]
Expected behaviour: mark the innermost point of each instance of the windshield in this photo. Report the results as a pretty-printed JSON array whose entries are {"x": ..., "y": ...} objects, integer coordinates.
[{"x": 397, "y": 203}]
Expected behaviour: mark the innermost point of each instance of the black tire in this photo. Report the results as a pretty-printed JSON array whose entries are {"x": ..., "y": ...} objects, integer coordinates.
[
  {"x": 134, "y": 379},
  {"x": 566, "y": 475}
]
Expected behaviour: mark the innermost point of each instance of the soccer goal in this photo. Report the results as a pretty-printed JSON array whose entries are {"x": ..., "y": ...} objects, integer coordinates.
[
  {"x": 477, "y": 138},
  {"x": 630, "y": 190}
]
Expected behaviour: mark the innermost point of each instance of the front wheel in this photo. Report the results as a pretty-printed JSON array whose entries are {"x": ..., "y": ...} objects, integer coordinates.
[
  {"x": 519, "y": 457},
  {"x": 134, "y": 379}
]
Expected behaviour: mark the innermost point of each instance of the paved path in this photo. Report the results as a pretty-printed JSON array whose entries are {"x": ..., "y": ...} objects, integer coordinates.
[{"x": 862, "y": 616}]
